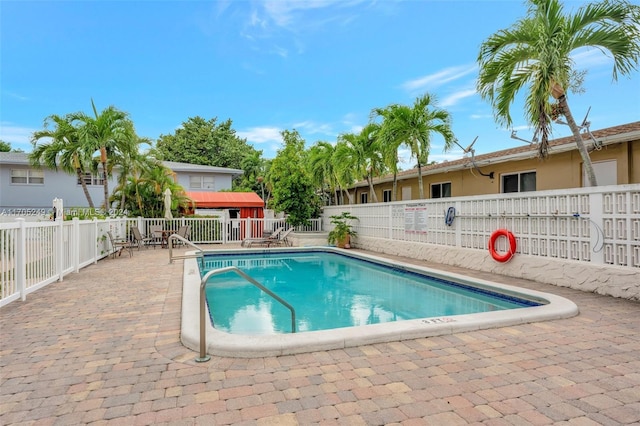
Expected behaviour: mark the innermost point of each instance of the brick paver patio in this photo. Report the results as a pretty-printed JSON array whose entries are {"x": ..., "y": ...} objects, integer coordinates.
[{"x": 103, "y": 347}]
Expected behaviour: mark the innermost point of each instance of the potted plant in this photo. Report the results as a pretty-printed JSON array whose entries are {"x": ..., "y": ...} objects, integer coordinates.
[{"x": 342, "y": 232}]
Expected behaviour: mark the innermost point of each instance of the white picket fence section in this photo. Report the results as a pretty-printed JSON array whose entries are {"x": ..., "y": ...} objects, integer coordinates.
[
  {"x": 35, "y": 254},
  {"x": 598, "y": 225}
]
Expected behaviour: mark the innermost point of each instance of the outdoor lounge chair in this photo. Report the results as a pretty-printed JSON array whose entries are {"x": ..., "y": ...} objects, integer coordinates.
[
  {"x": 283, "y": 239},
  {"x": 119, "y": 244},
  {"x": 265, "y": 241},
  {"x": 139, "y": 239}
]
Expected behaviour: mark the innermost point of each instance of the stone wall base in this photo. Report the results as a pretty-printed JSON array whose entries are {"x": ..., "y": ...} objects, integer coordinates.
[{"x": 602, "y": 279}]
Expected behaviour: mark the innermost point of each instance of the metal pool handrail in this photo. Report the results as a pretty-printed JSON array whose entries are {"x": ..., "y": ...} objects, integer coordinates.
[
  {"x": 199, "y": 254},
  {"x": 203, "y": 335}
]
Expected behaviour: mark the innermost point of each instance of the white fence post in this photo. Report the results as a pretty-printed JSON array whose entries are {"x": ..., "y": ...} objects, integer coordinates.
[
  {"x": 597, "y": 224},
  {"x": 456, "y": 224},
  {"x": 60, "y": 250},
  {"x": 21, "y": 260},
  {"x": 75, "y": 248},
  {"x": 97, "y": 243}
]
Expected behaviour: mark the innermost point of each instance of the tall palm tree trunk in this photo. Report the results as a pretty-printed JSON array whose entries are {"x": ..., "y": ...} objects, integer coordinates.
[
  {"x": 84, "y": 187},
  {"x": 420, "y": 184},
  {"x": 582, "y": 149},
  {"x": 374, "y": 197},
  {"x": 394, "y": 191}
]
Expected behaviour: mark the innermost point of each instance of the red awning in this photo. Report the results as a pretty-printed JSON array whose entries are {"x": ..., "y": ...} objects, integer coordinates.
[{"x": 222, "y": 200}]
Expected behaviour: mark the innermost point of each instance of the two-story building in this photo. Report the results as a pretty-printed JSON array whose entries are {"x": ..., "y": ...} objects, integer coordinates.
[
  {"x": 23, "y": 186},
  {"x": 614, "y": 152}
]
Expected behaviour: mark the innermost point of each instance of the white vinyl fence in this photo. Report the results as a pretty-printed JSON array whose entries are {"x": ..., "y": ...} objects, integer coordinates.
[
  {"x": 599, "y": 225},
  {"x": 35, "y": 254}
]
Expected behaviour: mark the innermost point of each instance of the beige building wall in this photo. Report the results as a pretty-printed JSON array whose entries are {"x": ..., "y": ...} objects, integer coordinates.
[{"x": 558, "y": 171}]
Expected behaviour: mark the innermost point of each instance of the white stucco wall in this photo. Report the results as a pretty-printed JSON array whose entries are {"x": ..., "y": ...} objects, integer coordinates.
[{"x": 602, "y": 279}]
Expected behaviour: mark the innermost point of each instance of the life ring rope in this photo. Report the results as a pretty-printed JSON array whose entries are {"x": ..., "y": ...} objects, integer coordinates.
[{"x": 492, "y": 245}]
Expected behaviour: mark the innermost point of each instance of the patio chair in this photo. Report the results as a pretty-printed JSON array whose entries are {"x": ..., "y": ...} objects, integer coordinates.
[
  {"x": 283, "y": 239},
  {"x": 265, "y": 241},
  {"x": 155, "y": 232},
  {"x": 139, "y": 239},
  {"x": 183, "y": 231},
  {"x": 119, "y": 244}
]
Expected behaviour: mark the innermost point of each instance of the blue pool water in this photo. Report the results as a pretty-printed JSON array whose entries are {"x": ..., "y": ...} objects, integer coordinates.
[{"x": 330, "y": 290}]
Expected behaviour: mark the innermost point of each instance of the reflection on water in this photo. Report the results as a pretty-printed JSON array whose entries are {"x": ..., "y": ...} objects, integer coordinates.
[{"x": 330, "y": 291}]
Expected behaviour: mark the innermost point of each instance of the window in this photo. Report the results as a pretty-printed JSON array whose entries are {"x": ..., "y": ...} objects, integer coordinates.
[
  {"x": 386, "y": 195},
  {"x": 519, "y": 182},
  {"x": 91, "y": 179},
  {"x": 27, "y": 176},
  {"x": 606, "y": 173},
  {"x": 364, "y": 198},
  {"x": 406, "y": 193},
  {"x": 441, "y": 190},
  {"x": 201, "y": 182}
]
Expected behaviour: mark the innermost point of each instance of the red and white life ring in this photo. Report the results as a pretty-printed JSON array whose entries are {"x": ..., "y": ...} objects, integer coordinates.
[{"x": 492, "y": 245}]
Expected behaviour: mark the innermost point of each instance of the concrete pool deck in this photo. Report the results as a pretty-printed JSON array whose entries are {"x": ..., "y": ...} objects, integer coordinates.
[
  {"x": 246, "y": 346},
  {"x": 103, "y": 347}
]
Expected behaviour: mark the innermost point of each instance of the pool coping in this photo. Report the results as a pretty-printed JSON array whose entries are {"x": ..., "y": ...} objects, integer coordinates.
[{"x": 248, "y": 346}]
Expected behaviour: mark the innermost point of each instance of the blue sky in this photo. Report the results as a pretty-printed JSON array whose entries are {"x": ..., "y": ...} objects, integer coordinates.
[{"x": 319, "y": 67}]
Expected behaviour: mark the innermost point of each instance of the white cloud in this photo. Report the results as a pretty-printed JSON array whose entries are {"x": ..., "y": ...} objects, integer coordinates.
[
  {"x": 313, "y": 128},
  {"x": 453, "y": 98},
  {"x": 260, "y": 135},
  {"x": 586, "y": 58},
  {"x": 439, "y": 78},
  {"x": 18, "y": 137}
]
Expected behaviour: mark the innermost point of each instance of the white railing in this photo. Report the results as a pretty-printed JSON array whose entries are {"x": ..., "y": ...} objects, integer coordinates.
[
  {"x": 216, "y": 230},
  {"x": 35, "y": 254},
  {"x": 598, "y": 225}
]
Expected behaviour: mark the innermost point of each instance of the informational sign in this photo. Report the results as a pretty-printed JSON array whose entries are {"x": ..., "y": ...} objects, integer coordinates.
[{"x": 415, "y": 218}]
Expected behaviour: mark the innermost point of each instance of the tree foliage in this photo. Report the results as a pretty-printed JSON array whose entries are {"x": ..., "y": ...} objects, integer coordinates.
[
  {"x": 293, "y": 190},
  {"x": 205, "y": 142},
  {"x": 141, "y": 193},
  {"x": 535, "y": 55}
]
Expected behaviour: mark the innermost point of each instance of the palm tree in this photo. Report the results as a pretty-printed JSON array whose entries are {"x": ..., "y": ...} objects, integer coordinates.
[
  {"x": 344, "y": 164},
  {"x": 130, "y": 160},
  {"x": 375, "y": 166},
  {"x": 63, "y": 149},
  {"x": 322, "y": 168},
  {"x": 389, "y": 145},
  {"x": 108, "y": 133},
  {"x": 413, "y": 126},
  {"x": 536, "y": 52}
]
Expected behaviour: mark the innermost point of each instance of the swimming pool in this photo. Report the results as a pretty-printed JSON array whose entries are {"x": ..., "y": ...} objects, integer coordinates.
[
  {"x": 222, "y": 343},
  {"x": 332, "y": 290}
]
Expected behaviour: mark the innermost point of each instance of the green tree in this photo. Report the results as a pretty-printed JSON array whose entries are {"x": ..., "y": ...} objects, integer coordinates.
[
  {"x": 413, "y": 126},
  {"x": 253, "y": 178},
  {"x": 322, "y": 169},
  {"x": 293, "y": 191},
  {"x": 62, "y": 149},
  {"x": 107, "y": 133},
  {"x": 346, "y": 165},
  {"x": 389, "y": 145},
  {"x": 536, "y": 53},
  {"x": 6, "y": 147},
  {"x": 205, "y": 142},
  {"x": 131, "y": 161},
  {"x": 143, "y": 190}
]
